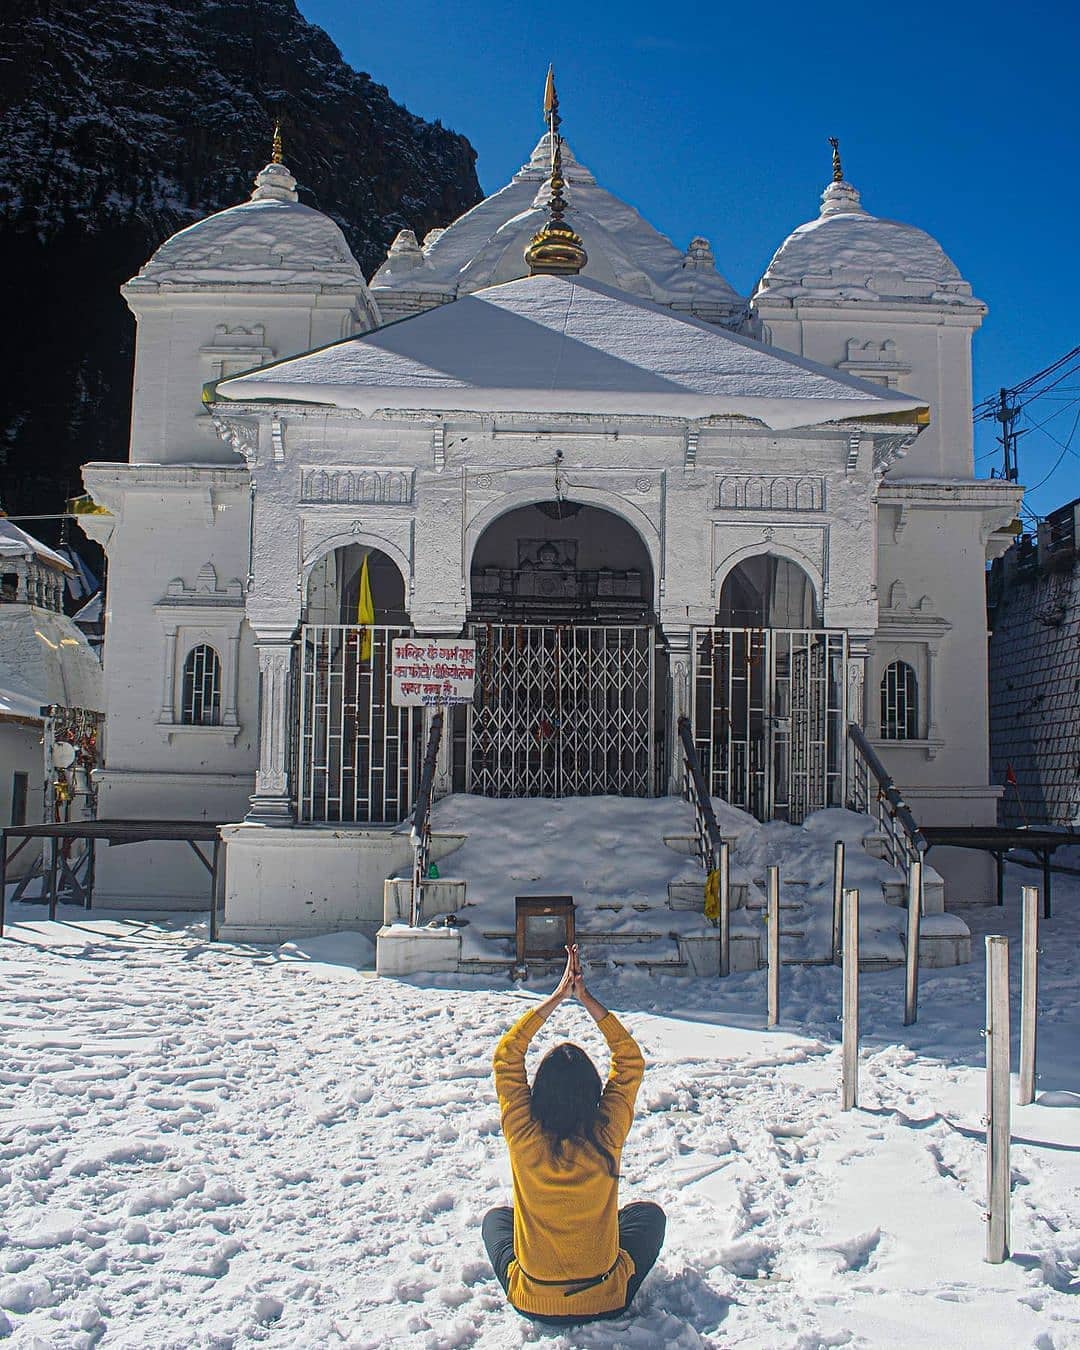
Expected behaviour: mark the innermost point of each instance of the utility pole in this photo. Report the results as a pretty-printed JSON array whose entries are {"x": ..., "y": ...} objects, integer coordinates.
[{"x": 1006, "y": 414}]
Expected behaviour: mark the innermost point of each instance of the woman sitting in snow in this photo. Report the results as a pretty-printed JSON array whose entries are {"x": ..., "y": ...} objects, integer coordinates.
[{"x": 565, "y": 1252}]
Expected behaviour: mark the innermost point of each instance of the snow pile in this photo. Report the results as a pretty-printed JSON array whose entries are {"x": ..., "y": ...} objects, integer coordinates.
[
  {"x": 858, "y": 256},
  {"x": 214, "y": 1146},
  {"x": 608, "y": 853}
]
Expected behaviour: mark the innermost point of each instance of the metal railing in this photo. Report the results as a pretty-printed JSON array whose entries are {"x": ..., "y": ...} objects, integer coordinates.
[
  {"x": 420, "y": 834},
  {"x": 904, "y": 841},
  {"x": 356, "y": 752},
  {"x": 696, "y": 792}
]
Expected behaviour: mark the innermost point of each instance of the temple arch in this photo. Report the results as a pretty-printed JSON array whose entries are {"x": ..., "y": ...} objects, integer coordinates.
[
  {"x": 768, "y": 589},
  {"x": 562, "y": 560},
  {"x": 332, "y": 585}
]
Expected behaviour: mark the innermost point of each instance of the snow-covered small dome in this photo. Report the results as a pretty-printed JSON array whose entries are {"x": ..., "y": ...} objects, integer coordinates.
[
  {"x": 271, "y": 240},
  {"x": 848, "y": 254},
  {"x": 486, "y": 247}
]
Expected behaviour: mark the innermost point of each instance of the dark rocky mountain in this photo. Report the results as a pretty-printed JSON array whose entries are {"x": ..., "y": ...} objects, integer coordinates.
[{"x": 121, "y": 121}]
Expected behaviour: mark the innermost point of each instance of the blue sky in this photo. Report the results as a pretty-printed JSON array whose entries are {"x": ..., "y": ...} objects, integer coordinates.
[{"x": 712, "y": 119}]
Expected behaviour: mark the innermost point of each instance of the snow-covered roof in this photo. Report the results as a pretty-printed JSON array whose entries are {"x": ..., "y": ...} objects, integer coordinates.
[
  {"x": 45, "y": 659},
  {"x": 567, "y": 344},
  {"x": 271, "y": 240},
  {"x": 486, "y": 246},
  {"x": 17, "y": 543},
  {"x": 848, "y": 254}
]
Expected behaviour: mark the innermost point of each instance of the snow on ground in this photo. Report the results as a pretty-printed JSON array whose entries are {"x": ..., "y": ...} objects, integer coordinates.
[
  {"x": 608, "y": 853},
  {"x": 234, "y": 1146}
]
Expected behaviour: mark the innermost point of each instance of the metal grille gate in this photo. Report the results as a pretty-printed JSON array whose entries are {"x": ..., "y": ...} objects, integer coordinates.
[
  {"x": 561, "y": 711},
  {"x": 356, "y": 753},
  {"x": 769, "y": 717}
]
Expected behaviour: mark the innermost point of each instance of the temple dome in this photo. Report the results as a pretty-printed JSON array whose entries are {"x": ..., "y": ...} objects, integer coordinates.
[
  {"x": 847, "y": 254},
  {"x": 486, "y": 246},
  {"x": 272, "y": 240}
]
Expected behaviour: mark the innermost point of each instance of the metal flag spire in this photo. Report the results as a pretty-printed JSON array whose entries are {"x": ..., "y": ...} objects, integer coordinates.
[
  {"x": 275, "y": 146},
  {"x": 837, "y": 171},
  {"x": 555, "y": 248}
]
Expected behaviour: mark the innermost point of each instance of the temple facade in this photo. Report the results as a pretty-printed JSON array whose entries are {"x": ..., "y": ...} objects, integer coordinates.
[{"x": 548, "y": 429}]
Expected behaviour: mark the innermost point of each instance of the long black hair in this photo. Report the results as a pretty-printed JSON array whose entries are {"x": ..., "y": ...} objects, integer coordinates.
[{"x": 566, "y": 1101}]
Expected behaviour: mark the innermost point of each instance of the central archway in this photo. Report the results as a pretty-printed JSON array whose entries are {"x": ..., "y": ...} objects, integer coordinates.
[
  {"x": 561, "y": 561},
  {"x": 562, "y": 611}
]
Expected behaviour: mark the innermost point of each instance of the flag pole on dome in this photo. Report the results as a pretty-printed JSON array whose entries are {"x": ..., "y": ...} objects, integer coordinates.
[
  {"x": 365, "y": 611},
  {"x": 837, "y": 168}
]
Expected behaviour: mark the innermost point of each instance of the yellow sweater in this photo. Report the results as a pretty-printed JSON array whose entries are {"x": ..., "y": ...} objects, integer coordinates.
[{"x": 566, "y": 1218}]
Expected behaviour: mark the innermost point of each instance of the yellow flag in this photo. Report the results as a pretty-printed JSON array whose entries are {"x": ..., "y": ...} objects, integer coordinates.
[
  {"x": 712, "y": 896},
  {"x": 365, "y": 611}
]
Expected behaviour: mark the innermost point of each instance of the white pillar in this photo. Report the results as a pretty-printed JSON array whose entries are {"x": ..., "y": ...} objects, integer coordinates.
[
  {"x": 272, "y": 802},
  {"x": 680, "y": 669},
  {"x": 168, "y": 680}
]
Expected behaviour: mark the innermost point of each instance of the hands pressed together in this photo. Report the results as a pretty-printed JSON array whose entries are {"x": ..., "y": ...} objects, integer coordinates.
[{"x": 572, "y": 985}]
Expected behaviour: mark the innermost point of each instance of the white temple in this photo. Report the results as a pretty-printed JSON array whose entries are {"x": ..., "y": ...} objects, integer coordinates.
[{"x": 642, "y": 494}]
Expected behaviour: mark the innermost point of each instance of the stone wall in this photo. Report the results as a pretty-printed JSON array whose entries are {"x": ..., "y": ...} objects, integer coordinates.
[{"x": 1034, "y": 610}]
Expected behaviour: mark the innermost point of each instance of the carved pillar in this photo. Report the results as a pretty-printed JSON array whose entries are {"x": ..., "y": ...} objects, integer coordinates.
[
  {"x": 272, "y": 802},
  {"x": 858, "y": 658},
  {"x": 168, "y": 681},
  {"x": 231, "y": 675},
  {"x": 678, "y": 703}
]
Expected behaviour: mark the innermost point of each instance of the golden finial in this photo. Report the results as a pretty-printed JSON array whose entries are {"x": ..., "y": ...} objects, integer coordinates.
[
  {"x": 275, "y": 149},
  {"x": 837, "y": 171},
  {"x": 555, "y": 248}
]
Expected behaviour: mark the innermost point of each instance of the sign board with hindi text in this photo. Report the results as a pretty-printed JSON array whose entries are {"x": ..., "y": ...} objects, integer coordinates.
[{"x": 432, "y": 672}]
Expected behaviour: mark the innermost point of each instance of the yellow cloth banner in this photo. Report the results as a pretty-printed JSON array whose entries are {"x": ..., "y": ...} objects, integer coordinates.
[
  {"x": 365, "y": 611},
  {"x": 712, "y": 895}
]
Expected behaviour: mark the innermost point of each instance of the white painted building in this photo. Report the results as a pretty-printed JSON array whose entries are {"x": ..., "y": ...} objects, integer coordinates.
[
  {"x": 640, "y": 493},
  {"x": 45, "y": 663}
]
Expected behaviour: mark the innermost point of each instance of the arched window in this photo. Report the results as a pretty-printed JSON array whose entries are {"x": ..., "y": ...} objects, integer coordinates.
[
  {"x": 201, "y": 705},
  {"x": 899, "y": 703}
]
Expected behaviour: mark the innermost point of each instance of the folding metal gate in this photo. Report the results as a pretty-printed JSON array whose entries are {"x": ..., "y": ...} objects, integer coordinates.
[
  {"x": 561, "y": 711},
  {"x": 769, "y": 717},
  {"x": 356, "y": 753}
]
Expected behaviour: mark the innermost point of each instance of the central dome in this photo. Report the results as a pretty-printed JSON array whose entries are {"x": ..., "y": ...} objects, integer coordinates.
[{"x": 486, "y": 247}]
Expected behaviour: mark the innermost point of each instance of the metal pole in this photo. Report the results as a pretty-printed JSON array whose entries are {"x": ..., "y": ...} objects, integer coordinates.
[
  {"x": 1029, "y": 995},
  {"x": 773, "y": 943},
  {"x": 52, "y": 876},
  {"x": 725, "y": 907},
  {"x": 837, "y": 899},
  {"x": 911, "y": 963},
  {"x": 1046, "y": 883},
  {"x": 3, "y": 877},
  {"x": 998, "y": 1130},
  {"x": 850, "y": 1084},
  {"x": 214, "y": 892}
]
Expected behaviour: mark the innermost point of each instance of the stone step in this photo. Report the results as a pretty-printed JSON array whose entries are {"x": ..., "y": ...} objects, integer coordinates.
[
  {"x": 686, "y": 844},
  {"x": 637, "y": 935},
  {"x": 895, "y": 893},
  {"x": 442, "y": 895}
]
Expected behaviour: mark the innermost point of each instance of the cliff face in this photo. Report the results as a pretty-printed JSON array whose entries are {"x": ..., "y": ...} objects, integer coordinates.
[{"x": 121, "y": 121}]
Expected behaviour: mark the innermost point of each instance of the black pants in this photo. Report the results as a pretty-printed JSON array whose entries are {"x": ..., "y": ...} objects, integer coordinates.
[{"x": 641, "y": 1234}]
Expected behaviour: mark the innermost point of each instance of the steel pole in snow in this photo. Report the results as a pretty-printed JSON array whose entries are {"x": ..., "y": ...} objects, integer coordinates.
[
  {"x": 725, "y": 907},
  {"x": 837, "y": 899},
  {"x": 911, "y": 956},
  {"x": 1029, "y": 995},
  {"x": 850, "y": 1015},
  {"x": 998, "y": 1130},
  {"x": 773, "y": 943}
]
